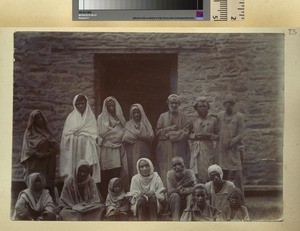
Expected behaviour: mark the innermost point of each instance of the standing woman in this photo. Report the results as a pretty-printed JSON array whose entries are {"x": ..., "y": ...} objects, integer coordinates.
[
  {"x": 137, "y": 137},
  {"x": 147, "y": 190},
  {"x": 172, "y": 131},
  {"x": 111, "y": 124},
  {"x": 79, "y": 139},
  {"x": 39, "y": 149}
]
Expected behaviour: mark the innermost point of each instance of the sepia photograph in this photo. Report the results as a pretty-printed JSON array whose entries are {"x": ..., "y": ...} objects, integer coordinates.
[{"x": 137, "y": 126}]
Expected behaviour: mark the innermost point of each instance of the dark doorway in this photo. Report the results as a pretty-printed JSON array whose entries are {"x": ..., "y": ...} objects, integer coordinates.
[{"x": 147, "y": 79}]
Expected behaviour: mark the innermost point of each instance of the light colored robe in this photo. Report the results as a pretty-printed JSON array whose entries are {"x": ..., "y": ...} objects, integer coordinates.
[
  {"x": 171, "y": 143},
  {"x": 140, "y": 184},
  {"x": 79, "y": 142},
  {"x": 202, "y": 151},
  {"x": 232, "y": 129},
  {"x": 137, "y": 140},
  {"x": 110, "y": 133},
  {"x": 219, "y": 200},
  {"x": 30, "y": 203}
]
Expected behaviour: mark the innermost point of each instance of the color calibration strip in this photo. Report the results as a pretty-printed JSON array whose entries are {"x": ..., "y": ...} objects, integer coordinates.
[
  {"x": 155, "y": 10},
  {"x": 140, "y": 4}
]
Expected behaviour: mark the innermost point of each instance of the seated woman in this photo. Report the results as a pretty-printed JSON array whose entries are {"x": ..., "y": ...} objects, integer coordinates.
[
  {"x": 117, "y": 204},
  {"x": 78, "y": 140},
  {"x": 199, "y": 210},
  {"x": 236, "y": 211},
  {"x": 35, "y": 202},
  {"x": 137, "y": 137},
  {"x": 39, "y": 149},
  {"x": 147, "y": 190},
  {"x": 218, "y": 188},
  {"x": 79, "y": 200}
]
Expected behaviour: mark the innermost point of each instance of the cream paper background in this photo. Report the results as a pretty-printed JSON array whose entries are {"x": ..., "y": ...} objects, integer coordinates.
[{"x": 268, "y": 16}]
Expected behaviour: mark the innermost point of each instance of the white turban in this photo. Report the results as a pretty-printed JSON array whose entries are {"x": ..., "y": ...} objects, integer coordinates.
[
  {"x": 215, "y": 168},
  {"x": 173, "y": 96}
]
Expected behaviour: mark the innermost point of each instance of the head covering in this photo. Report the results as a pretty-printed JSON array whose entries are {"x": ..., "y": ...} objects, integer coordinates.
[
  {"x": 81, "y": 124},
  {"x": 38, "y": 202},
  {"x": 70, "y": 194},
  {"x": 31, "y": 178},
  {"x": 144, "y": 120},
  {"x": 111, "y": 186},
  {"x": 113, "y": 199},
  {"x": 229, "y": 99},
  {"x": 80, "y": 164},
  {"x": 106, "y": 118},
  {"x": 173, "y": 96},
  {"x": 145, "y": 180},
  {"x": 201, "y": 99},
  {"x": 35, "y": 137},
  {"x": 215, "y": 168}
]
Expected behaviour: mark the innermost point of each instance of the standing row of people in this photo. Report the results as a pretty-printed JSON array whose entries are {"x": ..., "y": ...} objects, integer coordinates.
[{"x": 112, "y": 146}]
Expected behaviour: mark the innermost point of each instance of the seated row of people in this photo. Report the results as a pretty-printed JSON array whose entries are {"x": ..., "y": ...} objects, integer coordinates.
[{"x": 146, "y": 200}]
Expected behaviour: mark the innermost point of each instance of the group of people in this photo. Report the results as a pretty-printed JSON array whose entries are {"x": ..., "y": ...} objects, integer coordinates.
[{"x": 199, "y": 164}]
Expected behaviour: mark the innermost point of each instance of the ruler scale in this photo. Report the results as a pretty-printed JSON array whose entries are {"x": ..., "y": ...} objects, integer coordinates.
[{"x": 227, "y": 10}]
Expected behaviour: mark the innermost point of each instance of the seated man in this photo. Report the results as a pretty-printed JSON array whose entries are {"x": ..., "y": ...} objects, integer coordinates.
[
  {"x": 199, "y": 210},
  {"x": 218, "y": 188},
  {"x": 180, "y": 183}
]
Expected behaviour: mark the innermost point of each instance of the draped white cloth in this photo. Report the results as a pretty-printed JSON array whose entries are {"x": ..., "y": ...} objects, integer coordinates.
[
  {"x": 141, "y": 184},
  {"x": 110, "y": 131},
  {"x": 79, "y": 142}
]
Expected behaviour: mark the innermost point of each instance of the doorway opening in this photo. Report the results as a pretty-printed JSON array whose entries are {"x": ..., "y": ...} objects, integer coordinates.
[{"x": 131, "y": 78}]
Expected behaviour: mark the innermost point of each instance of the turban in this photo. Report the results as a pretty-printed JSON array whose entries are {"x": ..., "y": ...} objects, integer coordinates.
[
  {"x": 215, "y": 168},
  {"x": 201, "y": 99},
  {"x": 173, "y": 96}
]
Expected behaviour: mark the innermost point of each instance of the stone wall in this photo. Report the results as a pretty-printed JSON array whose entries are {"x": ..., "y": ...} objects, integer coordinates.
[{"x": 50, "y": 68}]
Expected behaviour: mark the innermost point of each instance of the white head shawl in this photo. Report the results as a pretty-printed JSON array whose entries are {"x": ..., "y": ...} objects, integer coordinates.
[
  {"x": 106, "y": 116},
  {"x": 81, "y": 124},
  {"x": 144, "y": 120},
  {"x": 215, "y": 168},
  {"x": 173, "y": 96}
]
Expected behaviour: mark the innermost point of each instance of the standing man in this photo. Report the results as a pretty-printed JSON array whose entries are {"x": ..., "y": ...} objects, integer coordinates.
[
  {"x": 203, "y": 133},
  {"x": 230, "y": 148},
  {"x": 172, "y": 131}
]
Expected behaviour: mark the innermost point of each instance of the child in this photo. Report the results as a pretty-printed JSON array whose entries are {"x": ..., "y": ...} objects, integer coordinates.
[
  {"x": 236, "y": 211},
  {"x": 117, "y": 205},
  {"x": 199, "y": 210}
]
